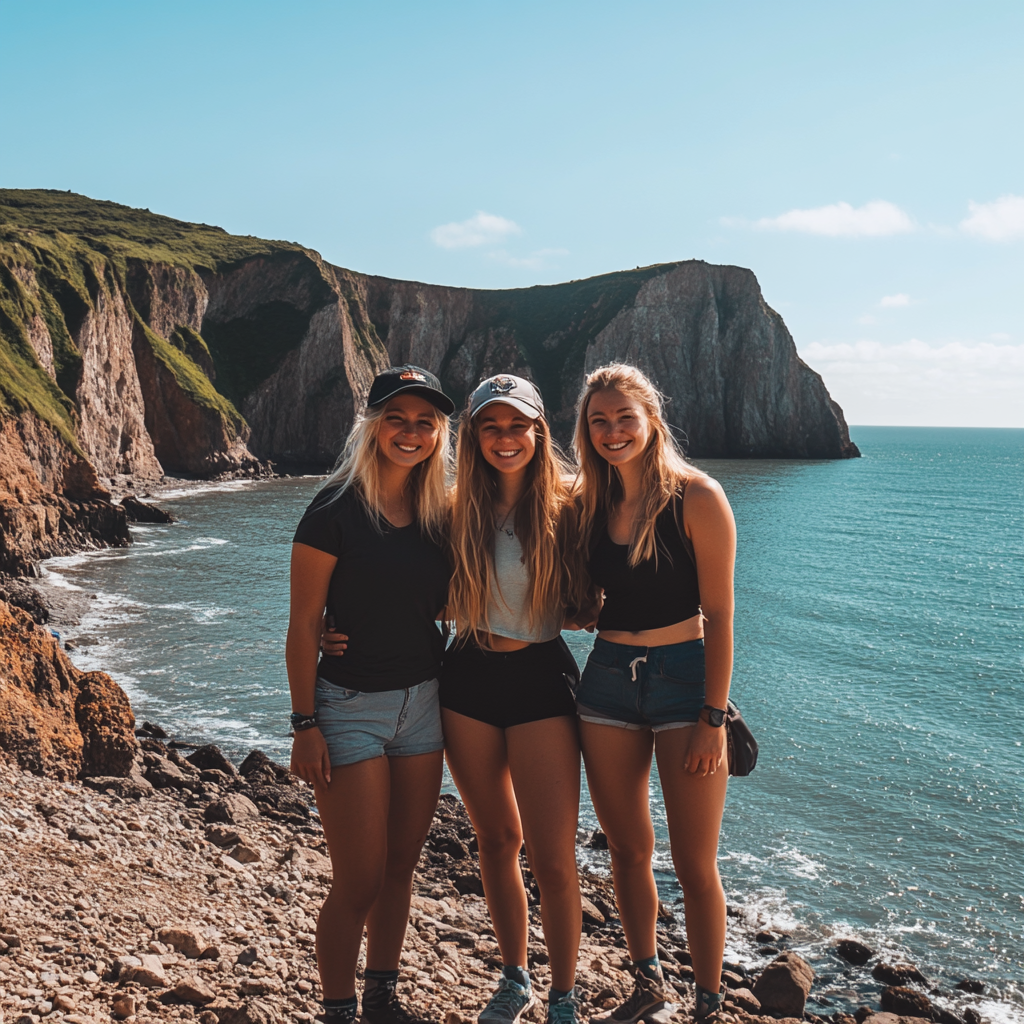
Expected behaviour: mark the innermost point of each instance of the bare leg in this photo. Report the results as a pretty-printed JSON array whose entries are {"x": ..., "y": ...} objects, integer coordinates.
[
  {"x": 354, "y": 812},
  {"x": 618, "y": 773},
  {"x": 694, "y": 806},
  {"x": 415, "y": 785},
  {"x": 544, "y": 759},
  {"x": 478, "y": 760}
]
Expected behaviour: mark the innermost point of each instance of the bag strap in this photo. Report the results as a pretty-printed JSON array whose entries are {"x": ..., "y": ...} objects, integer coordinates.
[{"x": 677, "y": 507}]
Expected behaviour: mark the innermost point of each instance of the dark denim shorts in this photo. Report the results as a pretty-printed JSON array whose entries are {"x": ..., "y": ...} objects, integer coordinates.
[{"x": 642, "y": 687}]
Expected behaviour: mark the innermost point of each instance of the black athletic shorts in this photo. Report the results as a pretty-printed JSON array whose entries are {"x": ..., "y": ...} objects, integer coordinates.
[{"x": 510, "y": 688}]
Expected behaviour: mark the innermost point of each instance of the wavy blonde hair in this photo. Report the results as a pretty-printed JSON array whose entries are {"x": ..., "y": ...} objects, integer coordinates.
[
  {"x": 358, "y": 466},
  {"x": 664, "y": 466},
  {"x": 544, "y": 525}
]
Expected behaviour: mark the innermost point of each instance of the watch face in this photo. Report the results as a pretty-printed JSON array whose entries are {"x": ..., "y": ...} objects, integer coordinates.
[{"x": 716, "y": 717}]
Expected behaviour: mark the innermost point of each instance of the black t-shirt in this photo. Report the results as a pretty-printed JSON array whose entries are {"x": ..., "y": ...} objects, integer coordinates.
[{"x": 385, "y": 593}]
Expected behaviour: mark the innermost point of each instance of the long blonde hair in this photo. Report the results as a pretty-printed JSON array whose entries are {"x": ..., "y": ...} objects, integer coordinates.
[
  {"x": 358, "y": 466},
  {"x": 541, "y": 524},
  {"x": 664, "y": 467}
]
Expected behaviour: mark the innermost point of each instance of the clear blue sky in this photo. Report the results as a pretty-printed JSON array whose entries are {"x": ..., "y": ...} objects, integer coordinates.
[{"x": 594, "y": 136}]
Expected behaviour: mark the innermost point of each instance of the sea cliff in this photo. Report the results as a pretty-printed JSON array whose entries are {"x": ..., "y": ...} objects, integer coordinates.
[{"x": 133, "y": 346}]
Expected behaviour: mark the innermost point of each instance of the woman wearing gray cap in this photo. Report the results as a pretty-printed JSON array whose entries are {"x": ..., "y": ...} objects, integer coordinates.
[
  {"x": 367, "y": 729},
  {"x": 507, "y": 684}
]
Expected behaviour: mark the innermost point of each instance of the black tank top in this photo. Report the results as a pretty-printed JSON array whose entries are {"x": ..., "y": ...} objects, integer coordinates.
[{"x": 645, "y": 596}]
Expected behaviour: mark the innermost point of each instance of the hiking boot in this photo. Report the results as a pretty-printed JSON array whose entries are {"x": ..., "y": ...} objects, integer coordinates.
[
  {"x": 707, "y": 1004},
  {"x": 649, "y": 994},
  {"x": 508, "y": 1003},
  {"x": 565, "y": 1010},
  {"x": 381, "y": 1005}
]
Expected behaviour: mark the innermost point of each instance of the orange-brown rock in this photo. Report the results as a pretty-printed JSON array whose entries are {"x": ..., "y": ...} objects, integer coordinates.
[
  {"x": 51, "y": 501},
  {"x": 54, "y": 719}
]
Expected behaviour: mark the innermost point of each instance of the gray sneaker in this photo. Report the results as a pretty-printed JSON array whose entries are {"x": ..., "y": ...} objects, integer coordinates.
[
  {"x": 508, "y": 1003},
  {"x": 565, "y": 1010},
  {"x": 649, "y": 995}
]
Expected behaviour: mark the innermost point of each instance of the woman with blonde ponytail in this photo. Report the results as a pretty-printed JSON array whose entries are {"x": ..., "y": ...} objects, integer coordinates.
[
  {"x": 661, "y": 544},
  {"x": 507, "y": 683}
]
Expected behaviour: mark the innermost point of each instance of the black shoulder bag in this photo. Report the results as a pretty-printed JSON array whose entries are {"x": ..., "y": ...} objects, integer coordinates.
[{"x": 739, "y": 739}]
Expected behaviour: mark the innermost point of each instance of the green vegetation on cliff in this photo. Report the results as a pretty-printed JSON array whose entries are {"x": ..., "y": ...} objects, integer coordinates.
[{"x": 59, "y": 253}]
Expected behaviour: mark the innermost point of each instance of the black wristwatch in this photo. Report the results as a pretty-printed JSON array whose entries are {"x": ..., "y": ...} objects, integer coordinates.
[
  {"x": 300, "y": 723},
  {"x": 715, "y": 716}
]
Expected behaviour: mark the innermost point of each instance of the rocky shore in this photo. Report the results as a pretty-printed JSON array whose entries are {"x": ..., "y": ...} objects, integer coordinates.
[
  {"x": 143, "y": 877},
  {"x": 181, "y": 887},
  {"x": 189, "y": 890}
]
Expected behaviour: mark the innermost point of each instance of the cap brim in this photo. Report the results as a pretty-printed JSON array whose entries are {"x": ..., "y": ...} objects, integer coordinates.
[
  {"x": 436, "y": 398},
  {"x": 517, "y": 403}
]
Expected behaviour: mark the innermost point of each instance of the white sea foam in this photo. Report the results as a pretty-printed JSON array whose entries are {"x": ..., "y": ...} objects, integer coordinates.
[{"x": 186, "y": 489}]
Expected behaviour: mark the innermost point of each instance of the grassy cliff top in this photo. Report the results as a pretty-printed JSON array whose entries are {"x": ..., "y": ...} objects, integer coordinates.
[{"x": 121, "y": 231}]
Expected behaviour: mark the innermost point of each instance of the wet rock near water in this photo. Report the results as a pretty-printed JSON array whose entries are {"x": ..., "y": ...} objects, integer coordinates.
[{"x": 143, "y": 512}]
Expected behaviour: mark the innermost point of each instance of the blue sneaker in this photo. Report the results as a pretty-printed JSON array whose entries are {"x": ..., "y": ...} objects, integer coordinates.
[
  {"x": 565, "y": 1010},
  {"x": 508, "y": 1003}
]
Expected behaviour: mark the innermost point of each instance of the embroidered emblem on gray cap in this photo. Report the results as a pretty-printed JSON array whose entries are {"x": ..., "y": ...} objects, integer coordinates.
[{"x": 502, "y": 385}]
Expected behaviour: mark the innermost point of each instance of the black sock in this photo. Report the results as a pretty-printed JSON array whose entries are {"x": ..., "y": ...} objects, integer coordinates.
[
  {"x": 341, "y": 1011},
  {"x": 379, "y": 988},
  {"x": 554, "y": 994},
  {"x": 520, "y": 975}
]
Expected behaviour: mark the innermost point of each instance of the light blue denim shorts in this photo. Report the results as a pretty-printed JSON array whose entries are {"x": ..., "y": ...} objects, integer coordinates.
[{"x": 358, "y": 725}]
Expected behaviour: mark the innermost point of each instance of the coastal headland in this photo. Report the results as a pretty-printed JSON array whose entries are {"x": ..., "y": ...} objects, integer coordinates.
[{"x": 134, "y": 345}]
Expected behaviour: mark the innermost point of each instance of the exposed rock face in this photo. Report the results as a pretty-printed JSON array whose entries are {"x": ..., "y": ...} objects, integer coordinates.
[
  {"x": 55, "y": 720},
  {"x": 123, "y": 363},
  {"x": 51, "y": 502}
]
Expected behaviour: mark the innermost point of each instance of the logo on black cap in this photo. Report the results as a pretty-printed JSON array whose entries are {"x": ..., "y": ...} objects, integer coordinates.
[{"x": 412, "y": 375}]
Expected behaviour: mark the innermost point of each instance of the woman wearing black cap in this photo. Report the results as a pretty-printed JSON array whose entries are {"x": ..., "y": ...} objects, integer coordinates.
[
  {"x": 506, "y": 687},
  {"x": 367, "y": 730}
]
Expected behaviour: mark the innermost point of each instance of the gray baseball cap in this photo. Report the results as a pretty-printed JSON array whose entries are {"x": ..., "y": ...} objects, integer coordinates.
[{"x": 521, "y": 394}]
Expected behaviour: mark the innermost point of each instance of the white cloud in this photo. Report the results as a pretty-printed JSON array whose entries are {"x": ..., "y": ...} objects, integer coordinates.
[
  {"x": 998, "y": 221},
  {"x": 481, "y": 229},
  {"x": 889, "y": 301},
  {"x": 841, "y": 220},
  {"x": 953, "y": 384}
]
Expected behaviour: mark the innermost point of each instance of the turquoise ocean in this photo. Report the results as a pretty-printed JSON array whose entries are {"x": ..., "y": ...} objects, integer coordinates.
[{"x": 879, "y": 652}]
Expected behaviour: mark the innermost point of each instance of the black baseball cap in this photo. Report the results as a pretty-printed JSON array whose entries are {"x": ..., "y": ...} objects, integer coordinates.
[{"x": 409, "y": 380}]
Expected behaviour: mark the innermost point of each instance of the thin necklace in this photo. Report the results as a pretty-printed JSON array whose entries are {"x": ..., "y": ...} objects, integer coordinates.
[{"x": 501, "y": 525}]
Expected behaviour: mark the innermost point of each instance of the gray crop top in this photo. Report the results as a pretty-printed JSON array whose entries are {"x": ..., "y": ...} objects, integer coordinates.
[{"x": 508, "y": 611}]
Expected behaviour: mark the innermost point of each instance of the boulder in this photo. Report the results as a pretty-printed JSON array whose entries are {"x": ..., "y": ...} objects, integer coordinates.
[
  {"x": 971, "y": 985},
  {"x": 54, "y": 719},
  {"x": 131, "y": 788},
  {"x": 906, "y": 1002},
  {"x": 231, "y": 809},
  {"x": 141, "y": 512},
  {"x": 192, "y": 989},
  {"x": 897, "y": 974},
  {"x": 784, "y": 985},
  {"x": 309, "y": 863},
  {"x": 853, "y": 952},
  {"x": 184, "y": 940},
  {"x": 210, "y": 758},
  {"x": 744, "y": 999},
  {"x": 591, "y": 915},
  {"x": 150, "y": 973}
]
